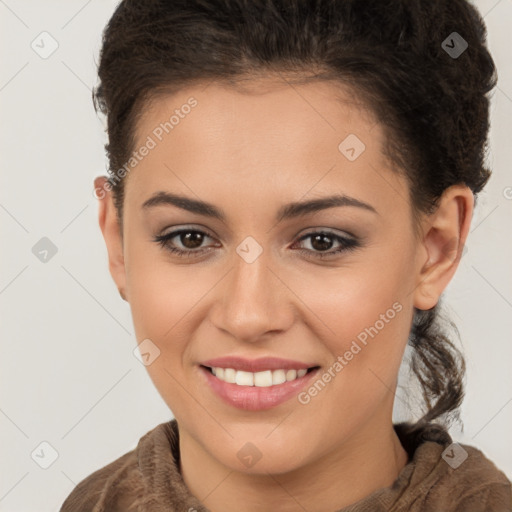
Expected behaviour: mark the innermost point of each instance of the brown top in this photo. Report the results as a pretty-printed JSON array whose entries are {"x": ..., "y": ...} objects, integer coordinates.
[{"x": 439, "y": 477}]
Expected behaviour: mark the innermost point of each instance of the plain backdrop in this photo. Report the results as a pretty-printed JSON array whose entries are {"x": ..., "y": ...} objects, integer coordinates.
[{"x": 73, "y": 396}]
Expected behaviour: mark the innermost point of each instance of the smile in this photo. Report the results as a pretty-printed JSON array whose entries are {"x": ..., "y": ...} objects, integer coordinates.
[
  {"x": 256, "y": 391},
  {"x": 261, "y": 379}
]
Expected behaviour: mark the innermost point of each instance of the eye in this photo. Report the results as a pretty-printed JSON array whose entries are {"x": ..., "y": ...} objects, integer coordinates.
[
  {"x": 188, "y": 242},
  {"x": 322, "y": 241}
]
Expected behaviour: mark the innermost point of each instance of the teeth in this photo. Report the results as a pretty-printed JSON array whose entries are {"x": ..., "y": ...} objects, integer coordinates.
[
  {"x": 244, "y": 378},
  {"x": 259, "y": 379},
  {"x": 229, "y": 375},
  {"x": 291, "y": 374},
  {"x": 277, "y": 377}
]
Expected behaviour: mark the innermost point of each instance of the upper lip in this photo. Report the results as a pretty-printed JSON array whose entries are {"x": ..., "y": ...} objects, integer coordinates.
[{"x": 256, "y": 365}]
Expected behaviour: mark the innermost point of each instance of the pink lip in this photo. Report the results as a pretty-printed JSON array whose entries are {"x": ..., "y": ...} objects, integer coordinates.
[
  {"x": 256, "y": 365},
  {"x": 253, "y": 398}
]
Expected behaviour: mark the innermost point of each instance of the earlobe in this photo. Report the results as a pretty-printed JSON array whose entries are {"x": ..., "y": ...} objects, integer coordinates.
[
  {"x": 445, "y": 232},
  {"x": 110, "y": 228}
]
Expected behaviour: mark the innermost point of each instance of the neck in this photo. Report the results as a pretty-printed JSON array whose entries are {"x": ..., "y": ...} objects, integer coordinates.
[{"x": 371, "y": 459}]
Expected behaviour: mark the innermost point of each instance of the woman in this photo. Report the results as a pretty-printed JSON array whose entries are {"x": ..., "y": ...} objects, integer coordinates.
[{"x": 291, "y": 187}]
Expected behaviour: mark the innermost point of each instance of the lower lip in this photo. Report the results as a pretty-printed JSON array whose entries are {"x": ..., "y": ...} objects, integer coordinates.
[{"x": 254, "y": 398}]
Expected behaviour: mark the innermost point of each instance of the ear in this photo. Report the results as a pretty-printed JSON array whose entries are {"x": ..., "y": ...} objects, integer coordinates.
[
  {"x": 110, "y": 227},
  {"x": 444, "y": 234}
]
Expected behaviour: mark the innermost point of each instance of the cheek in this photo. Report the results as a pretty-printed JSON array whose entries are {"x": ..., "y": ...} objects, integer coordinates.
[
  {"x": 363, "y": 317},
  {"x": 350, "y": 300},
  {"x": 162, "y": 296},
  {"x": 164, "y": 303},
  {"x": 366, "y": 337}
]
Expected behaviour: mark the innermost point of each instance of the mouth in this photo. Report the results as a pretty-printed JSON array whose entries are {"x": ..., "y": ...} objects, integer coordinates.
[
  {"x": 256, "y": 391},
  {"x": 265, "y": 378}
]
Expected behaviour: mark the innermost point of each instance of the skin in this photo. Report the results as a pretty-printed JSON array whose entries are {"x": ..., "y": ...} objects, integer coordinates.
[{"x": 280, "y": 143}]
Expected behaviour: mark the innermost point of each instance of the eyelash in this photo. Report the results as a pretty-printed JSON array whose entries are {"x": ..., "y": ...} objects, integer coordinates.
[{"x": 348, "y": 244}]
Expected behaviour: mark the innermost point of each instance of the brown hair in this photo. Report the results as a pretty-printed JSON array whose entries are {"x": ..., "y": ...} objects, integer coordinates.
[{"x": 394, "y": 53}]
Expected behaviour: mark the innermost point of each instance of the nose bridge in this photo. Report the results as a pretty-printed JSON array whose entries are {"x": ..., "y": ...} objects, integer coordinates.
[{"x": 252, "y": 301}]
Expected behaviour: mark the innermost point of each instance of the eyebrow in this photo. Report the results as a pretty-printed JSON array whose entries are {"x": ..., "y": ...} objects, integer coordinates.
[{"x": 287, "y": 211}]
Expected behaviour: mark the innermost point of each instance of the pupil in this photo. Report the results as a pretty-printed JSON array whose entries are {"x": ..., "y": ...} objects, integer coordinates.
[
  {"x": 191, "y": 239},
  {"x": 325, "y": 242}
]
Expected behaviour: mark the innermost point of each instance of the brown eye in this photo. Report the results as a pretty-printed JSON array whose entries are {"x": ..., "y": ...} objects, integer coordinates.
[
  {"x": 184, "y": 242},
  {"x": 191, "y": 239},
  {"x": 321, "y": 242}
]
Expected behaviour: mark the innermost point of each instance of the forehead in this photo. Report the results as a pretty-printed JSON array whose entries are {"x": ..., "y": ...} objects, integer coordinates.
[
  {"x": 267, "y": 105},
  {"x": 295, "y": 137}
]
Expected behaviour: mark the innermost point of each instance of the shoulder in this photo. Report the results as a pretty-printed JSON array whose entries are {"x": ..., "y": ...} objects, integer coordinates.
[
  {"x": 113, "y": 486},
  {"x": 92, "y": 489},
  {"x": 448, "y": 476},
  {"x": 475, "y": 480}
]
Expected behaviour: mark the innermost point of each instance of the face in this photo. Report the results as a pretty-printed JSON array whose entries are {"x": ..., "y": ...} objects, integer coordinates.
[{"x": 330, "y": 287}]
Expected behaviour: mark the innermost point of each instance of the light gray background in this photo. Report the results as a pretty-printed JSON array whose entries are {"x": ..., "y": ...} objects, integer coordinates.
[{"x": 68, "y": 373}]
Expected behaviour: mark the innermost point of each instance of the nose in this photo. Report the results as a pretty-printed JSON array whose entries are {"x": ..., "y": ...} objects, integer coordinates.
[{"x": 253, "y": 302}]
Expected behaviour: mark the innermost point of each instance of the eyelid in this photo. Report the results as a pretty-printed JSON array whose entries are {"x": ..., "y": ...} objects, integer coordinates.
[
  {"x": 185, "y": 227},
  {"x": 328, "y": 231}
]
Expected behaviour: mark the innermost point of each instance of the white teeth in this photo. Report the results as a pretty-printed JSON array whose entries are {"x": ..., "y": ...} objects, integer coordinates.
[
  {"x": 244, "y": 378},
  {"x": 262, "y": 379},
  {"x": 229, "y": 375},
  {"x": 278, "y": 376},
  {"x": 291, "y": 375}
]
